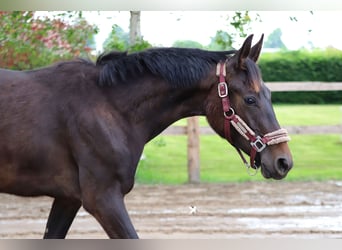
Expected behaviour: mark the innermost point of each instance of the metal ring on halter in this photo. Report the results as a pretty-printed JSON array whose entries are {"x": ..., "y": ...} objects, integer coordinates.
[
  {"x": 249, "y": 170},
  {"x": 229, "y": 114}
]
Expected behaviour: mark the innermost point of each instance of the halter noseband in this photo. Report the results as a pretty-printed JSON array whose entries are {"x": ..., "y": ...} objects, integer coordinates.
[{"x": 258, "y": 143}]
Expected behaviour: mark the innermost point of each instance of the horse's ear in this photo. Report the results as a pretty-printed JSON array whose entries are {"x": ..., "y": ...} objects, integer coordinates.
[
  {"x": 243, "y": 52},
  {"x": 256, "y": 49}
]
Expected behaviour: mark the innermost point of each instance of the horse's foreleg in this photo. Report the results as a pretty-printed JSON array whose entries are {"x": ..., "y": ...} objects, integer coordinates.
[
  {"x": 110, "y": 211},
  {"x": 62, "y": 214}
]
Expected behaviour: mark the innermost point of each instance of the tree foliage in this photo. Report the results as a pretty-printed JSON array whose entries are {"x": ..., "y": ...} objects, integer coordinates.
[
  {"x": 238, "y": 26},
  {"x": 274, "y": 40},
  {"x": 27, "y": 41},
  {"x": 221, "y": 41},
  {"x": 187, "y": 44},
  {"x": 119, "y": 40}
]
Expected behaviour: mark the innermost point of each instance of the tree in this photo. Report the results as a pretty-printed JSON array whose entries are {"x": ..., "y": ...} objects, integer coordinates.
[
  {"x": 134, "y": 27},
  {"x": 120, "y": 40},
  {"x": 274, "y": 40},
  {"x": 221, "y": 41},
  {"x": 27, "y": 41},
  {"x": 238, "y": 26},
  {"x": 187, "y": 44}
]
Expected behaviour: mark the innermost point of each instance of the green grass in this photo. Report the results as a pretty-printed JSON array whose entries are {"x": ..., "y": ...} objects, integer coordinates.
[{"x": 316, "y": 157}]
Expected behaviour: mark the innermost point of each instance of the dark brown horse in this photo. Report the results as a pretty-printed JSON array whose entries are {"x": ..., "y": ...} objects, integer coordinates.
[{"x": 75, "y": 130}]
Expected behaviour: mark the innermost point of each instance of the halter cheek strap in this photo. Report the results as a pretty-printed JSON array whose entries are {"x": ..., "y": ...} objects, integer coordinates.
[{"x": 258, "y": 143}]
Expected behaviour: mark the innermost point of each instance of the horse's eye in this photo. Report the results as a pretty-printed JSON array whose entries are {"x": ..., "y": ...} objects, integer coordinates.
[{"x": 250, "y": 100}]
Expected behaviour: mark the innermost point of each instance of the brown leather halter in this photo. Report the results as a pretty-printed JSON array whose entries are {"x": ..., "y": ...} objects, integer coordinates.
[{"x": 258, "y": 143}]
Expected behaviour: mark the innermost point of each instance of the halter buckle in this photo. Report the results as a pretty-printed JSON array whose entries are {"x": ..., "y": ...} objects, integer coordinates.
[
  {"x": 222, "y": 89},
  {"x": 258, "y": 144}
]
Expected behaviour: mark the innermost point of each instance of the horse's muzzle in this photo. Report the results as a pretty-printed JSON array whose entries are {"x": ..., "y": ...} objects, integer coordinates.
[{"x": 281, "y": 166}]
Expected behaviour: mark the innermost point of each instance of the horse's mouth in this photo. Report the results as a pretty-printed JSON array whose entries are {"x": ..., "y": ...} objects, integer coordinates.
[
  {"x": 267, "y": 174},
  {"x": 257, "y": 161}
]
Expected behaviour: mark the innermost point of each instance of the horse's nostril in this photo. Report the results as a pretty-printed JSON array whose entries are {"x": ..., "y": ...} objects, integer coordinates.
[{"x": 282, "y": 166}]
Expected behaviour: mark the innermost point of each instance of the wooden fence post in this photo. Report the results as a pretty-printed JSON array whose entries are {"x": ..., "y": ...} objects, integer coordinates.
[{"x": 193, "y": 150}]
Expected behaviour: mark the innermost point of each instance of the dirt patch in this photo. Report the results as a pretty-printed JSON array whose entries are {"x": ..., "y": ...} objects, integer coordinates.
[{"x": 247, "y": 210}]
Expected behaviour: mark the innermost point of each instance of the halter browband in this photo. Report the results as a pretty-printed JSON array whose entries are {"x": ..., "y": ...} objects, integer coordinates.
[{"x": 258, "y": 143}]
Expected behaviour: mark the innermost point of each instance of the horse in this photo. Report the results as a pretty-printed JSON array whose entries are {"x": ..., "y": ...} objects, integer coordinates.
[{"x": 75, "y": 130}]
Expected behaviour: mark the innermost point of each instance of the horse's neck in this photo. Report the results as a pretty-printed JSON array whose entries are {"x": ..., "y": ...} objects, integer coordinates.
[{"x": 154, "y": 106}]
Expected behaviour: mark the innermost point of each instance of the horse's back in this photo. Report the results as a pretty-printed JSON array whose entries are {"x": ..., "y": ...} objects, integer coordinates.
[{"x": 11, "y": 76}]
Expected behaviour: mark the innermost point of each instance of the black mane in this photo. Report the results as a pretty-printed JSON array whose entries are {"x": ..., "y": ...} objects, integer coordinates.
[{"x": 178, "y": 66}]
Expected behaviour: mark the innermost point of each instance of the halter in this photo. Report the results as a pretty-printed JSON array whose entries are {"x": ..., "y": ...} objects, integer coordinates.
[{"x": 258, "y": 143}]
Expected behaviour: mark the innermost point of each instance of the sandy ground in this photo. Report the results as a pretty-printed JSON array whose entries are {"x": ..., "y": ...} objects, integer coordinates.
[{"x": 249, "y": 210}]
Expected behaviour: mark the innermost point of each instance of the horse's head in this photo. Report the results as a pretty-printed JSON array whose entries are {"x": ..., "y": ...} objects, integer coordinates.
[{"x": 241, "y": 111}]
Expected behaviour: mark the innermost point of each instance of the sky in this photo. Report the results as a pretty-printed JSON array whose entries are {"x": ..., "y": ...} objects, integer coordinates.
[{"x": 162, "y": 28}]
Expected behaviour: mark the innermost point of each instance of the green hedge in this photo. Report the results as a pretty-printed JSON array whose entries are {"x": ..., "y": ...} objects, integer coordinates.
[{"x": 318, "y": 65}]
